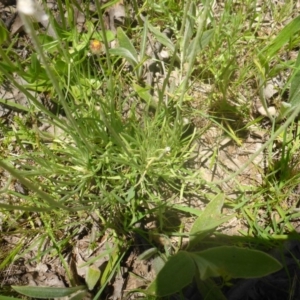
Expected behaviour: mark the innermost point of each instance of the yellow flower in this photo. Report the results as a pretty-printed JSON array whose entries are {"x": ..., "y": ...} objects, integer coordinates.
[{"x": 95, "y": 47}]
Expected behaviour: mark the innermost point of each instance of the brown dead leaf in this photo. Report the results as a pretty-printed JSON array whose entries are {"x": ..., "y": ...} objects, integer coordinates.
[
  {"x": 116, "y": 15},
  {"x": 17, "y": 26},
  {"x": 118, "y": 287}
]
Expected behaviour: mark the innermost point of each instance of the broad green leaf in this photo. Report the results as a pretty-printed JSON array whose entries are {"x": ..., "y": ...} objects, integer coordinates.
[
  {"x": 92, "y": 277},
  {"x": 7, "y": 298},
  {"x": 202, "y": 43},
  {"x": 206, "y": 268},
  {"x": 162, "y": 38},
  {"x": 124, "y": 42},
  {"x": 205, "y": 38},
  {"x": 125, "y": 53},
  {"x": 282, "y": 38},
  {"x": 285, "y": 109},
  {"x": 177, "y": 273},
  {"x": 97, "y": 35},
  {"x": 110, "y": 36},
  {"x": 209, "y": 290},
  {"x": 234, "y": 262},
  {"x": 46, "y": 292},
  {"x": 208, "y": 220},
  {"x": 157, "y": 264},
  {"x": 143, "y": 92}
]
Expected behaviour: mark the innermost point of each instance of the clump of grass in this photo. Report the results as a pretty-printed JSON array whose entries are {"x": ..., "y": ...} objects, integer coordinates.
[{"x": 95, "y": 158}]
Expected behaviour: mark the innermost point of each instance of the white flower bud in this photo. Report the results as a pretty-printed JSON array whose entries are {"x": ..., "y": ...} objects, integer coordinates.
[{"x": 33, "y": 9}]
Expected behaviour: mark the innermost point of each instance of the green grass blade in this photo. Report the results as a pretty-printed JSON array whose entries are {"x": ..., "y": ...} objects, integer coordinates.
[
  {"x": 13, "y": 105},
  {"x": 282, "y": 38},
  {"x": 11, "y": 255},
  {"x": 294, "y": 96},
  {"x": 143, "y": 45},
  {"x": 47, "y": 292},
  {"x": 4, "y": 34},
  {"x": 188, "y": 30}
]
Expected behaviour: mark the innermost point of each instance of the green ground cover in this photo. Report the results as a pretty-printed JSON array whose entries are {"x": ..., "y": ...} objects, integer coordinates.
[{"x": 105, "y": 147}]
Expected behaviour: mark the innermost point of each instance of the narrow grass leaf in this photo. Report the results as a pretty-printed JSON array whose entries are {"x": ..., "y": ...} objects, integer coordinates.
[
  {"x": 148, "y": 253},
  {"x": 94, "y": 259},
  {"x": 234, "y": 262},
  {"x": 143, "y": 45},
  {"x": 4, "y": 34},
  {"x": 8, "y": 298},
  {"x": 187, "y": 209},
  {"x": 105, "y": 278},
  {"x": 282, "y": 38},
  {"x": 47, "y": 292},
  {"x": 78, "y": 296},
  {"x": 50, "y": 201},
  {"x": 294, "y": 94},
  {"x": 109, "y": 4},
  {"x": 11, "y": 255},
  {"x": 189, "y": 27},
  {"x": 188, "y": 31},
  {"x": 111, "y": 266},
  {"x": 24, "y": 208},
  {"x": 177, "y": 273},
  {"x": 10, "y": 68},
  {"x": 13, "y": 105}
]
